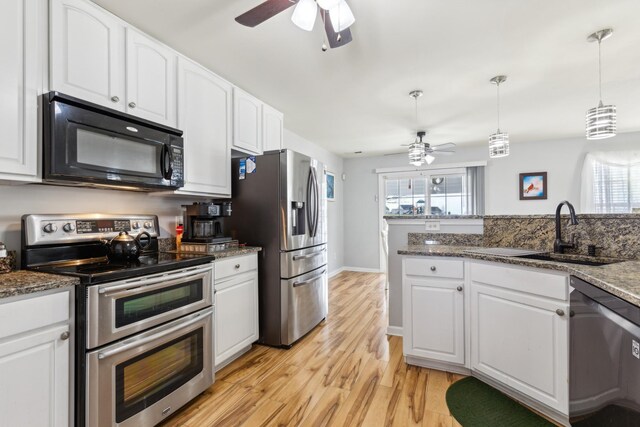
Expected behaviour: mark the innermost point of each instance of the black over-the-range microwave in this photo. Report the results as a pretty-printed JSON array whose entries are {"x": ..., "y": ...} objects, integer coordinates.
[{"x": 87, "y": 144}]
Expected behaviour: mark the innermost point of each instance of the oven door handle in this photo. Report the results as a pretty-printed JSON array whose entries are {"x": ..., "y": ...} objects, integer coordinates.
[
  {"x": 195, "y": 318},
  {"x": 153, "y": 280},
  {"x": 137, "y": 288}
]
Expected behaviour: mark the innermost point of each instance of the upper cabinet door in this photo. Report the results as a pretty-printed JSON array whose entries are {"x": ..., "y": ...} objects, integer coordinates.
[
  {"x": 20, "y": 84},
  {"x": 151, "y": 79},
  {"x": 272, "y": 128},
  {"x": 204, "y": 114},
  {"x": 87, "y": 55},
  {"x": 247, "y": 122}
]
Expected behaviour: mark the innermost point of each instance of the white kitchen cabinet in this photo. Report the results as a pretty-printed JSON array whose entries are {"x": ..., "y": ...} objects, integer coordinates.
[
  {"x": 204, "y": 114},
  {"x": 150, "y": 79},
  {"x": 434, "y": 310},
  {"x": 23, "y": 49},
  {"x": 87, "y": 53},
  {"x": 236, "y": 310},
  {"x": 247, "y": 122},
  {"x": 519, "y": 335},
  {"x": 35, "y": 361},
  {"x": 272, "y": 128}
]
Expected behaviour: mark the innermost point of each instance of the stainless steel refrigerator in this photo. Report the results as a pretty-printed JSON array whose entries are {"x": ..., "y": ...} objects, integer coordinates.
[{"x": 282, "y": 206}]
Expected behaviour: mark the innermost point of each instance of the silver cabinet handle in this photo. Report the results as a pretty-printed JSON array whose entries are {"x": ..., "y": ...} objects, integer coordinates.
[
  {"x": 132, "y": 104},
  {"x": 313, "y": 255},
  {"x": 115, "y": 99},
  {"x": 65, "y": 335},
  {"x": 305, "y": 282},
  {"x": 237, "y": 266},
  {"x": 433, "y": 268},
  {"x": 459, "y": 288},
  {"x": 128, "y": 346},
  {"x": 560, "y": 312}
]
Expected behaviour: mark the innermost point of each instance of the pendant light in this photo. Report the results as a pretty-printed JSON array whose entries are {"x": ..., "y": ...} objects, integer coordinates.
[
  {"x": 499, "y": 141},
  {"x": 417, "y": 151},
  {"x": 304, "y": 14},
  {"x": 601, "y": 120}
]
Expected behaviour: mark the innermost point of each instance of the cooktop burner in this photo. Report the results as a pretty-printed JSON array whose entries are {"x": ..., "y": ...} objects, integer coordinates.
[{"x": 104, "y": 270}]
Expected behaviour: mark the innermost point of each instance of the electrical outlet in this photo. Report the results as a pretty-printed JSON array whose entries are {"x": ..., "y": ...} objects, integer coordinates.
[
  {"x": 635, "y": 349},
  {"x": 432, "y": 225}
]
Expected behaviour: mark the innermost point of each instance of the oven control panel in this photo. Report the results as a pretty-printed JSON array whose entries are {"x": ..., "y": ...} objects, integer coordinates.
[{"x": 50, "y": 229}]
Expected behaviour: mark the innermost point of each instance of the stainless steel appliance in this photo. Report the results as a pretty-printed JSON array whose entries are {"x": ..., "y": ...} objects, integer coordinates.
[
  {"x": 144, "y": 331},
  {"x": 282, "y": 207},
  {"x": 604, "y": 358},
  {"x": 87, "y": 144}
]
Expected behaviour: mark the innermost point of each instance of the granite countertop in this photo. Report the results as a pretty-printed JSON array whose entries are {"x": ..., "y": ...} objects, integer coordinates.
[
  {"x": 433, "y": 216},
  {"x": 24, "y": 282},
  {"x": 621, "y": 279},
  {"x": 243, "y": 250}
]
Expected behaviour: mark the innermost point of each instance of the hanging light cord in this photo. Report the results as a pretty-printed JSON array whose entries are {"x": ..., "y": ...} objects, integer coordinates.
[
  {"x": 416, "y": 99},
  {"x": 600, "y": 70},
  {"x": 498, "y": 91}
]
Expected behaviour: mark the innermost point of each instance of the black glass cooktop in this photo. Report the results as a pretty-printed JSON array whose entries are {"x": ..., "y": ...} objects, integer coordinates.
[{"x": 104, "y": 270}]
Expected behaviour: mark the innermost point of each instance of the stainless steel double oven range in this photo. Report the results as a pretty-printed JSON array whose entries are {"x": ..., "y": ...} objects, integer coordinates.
[{"x": 144, "y": 329}]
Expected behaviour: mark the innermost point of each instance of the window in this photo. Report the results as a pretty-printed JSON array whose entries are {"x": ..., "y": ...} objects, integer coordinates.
[
  {"x": 435, "y": 192},
  {"x": 611, "y": 182}
]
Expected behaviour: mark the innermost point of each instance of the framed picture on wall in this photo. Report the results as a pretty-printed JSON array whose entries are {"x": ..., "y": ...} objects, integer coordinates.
[
  {"x": 331, "y": 186},
  {"x": 533, "y": 186}
]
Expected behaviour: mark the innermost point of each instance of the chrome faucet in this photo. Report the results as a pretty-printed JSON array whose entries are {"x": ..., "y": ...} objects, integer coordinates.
[{"x": 558, "y": 245}]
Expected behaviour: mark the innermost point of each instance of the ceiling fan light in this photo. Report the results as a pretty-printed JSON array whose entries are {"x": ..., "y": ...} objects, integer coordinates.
[
  {"x": 304, "y": 14},
  {"x": 601, "y": 122},
  {"x": 417, "y": 153},
  {"x": 341, "y": 16},
  {"x": 429, "y": 159},
  {"x": 328, "y": 4},
  {"x": 498, "y": 145}
]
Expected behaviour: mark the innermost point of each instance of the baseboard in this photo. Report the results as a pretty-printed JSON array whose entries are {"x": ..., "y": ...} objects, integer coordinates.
[
  {"x": 336, "y": 272},
  {"x": 362, "y": 270},
  {"x": 440, "y": 366},
  {"x": 394, "y": 330}
]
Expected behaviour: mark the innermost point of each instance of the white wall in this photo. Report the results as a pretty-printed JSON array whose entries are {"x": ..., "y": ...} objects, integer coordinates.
[
  {"x": 334, "y": 163},
  {"x": 17, "y": 200},
  {"x": 561, "y": 159}
]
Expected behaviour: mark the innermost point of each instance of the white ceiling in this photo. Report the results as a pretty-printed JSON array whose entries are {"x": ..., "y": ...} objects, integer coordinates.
[{"x": 355, "y": 97}]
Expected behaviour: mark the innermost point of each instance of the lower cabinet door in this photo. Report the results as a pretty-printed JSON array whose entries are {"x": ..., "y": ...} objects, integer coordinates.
[
  {"x": 522, "y": 341},
  {"x": 34, "y": 379},
  {"x": 236, "y": 315},
  {"x": 434, "y": 320}
]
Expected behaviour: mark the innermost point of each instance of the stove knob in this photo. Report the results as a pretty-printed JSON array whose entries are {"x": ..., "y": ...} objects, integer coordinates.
[
  {"x": 135, "y": 225},
  {"x": 148, "y": 225},
  {"x": 50, "y": 228},
  {"x": 68, "y": 227}
]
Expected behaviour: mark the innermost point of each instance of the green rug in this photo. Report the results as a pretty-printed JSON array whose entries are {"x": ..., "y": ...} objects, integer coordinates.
[{"x": 476, "y": 404}]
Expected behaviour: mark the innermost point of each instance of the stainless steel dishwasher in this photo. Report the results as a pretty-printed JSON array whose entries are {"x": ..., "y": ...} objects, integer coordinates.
[{"x": 604, "y": 358}]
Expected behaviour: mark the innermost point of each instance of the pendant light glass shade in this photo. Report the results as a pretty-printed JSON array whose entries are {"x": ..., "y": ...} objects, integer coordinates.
[
  {"x": 341, "y": 16},
  {"x": 304, "y": 14},
  {"x": 429, "y": 159},
  {"x": 601, "y": 120},
  {"x": 417, "y": 153},
  {"x": 328, "y": 4},
  {"x": 498, "y": 145}
]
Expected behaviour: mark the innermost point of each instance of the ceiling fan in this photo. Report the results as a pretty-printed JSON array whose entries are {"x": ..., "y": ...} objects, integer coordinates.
[
  {"x": 336, "y": 22},
  {"x": 421, "y": 152}
]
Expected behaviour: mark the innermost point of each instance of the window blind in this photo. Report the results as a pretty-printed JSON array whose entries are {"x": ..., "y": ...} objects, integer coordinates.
[{"x": 611, "y": 182}]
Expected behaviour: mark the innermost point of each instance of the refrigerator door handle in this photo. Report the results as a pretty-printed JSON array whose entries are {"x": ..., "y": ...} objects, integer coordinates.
[
  {"x": 306, "y": 282},
  {"x": 315, "y": 225},
  {"x": 309, "y": 211}
]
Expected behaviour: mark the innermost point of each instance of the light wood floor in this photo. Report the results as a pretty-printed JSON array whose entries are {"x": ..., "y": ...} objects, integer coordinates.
[{"x": 346, "y": 372}]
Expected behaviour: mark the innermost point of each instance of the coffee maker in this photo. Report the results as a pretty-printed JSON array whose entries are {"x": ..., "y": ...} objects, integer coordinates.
[{"x": 204, "y": 222}]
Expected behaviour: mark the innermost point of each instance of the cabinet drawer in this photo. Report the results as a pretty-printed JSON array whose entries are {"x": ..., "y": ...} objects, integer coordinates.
[
  {"x": 33, "y": 313},
  {"x": 434, "y": 267},
  {"x": 236, "y": 265}
]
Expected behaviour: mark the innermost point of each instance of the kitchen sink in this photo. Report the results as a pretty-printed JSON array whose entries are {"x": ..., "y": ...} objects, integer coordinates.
[{"x": 568, "y": 259}]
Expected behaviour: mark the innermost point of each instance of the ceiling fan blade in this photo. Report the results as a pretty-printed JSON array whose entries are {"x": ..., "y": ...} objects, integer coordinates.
[
  {"x": 264, "y": 11},
  {"x": 437, "y": 153},
  {"x": 332, "y": 36},
  {"x": 444, "y": 147}
]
